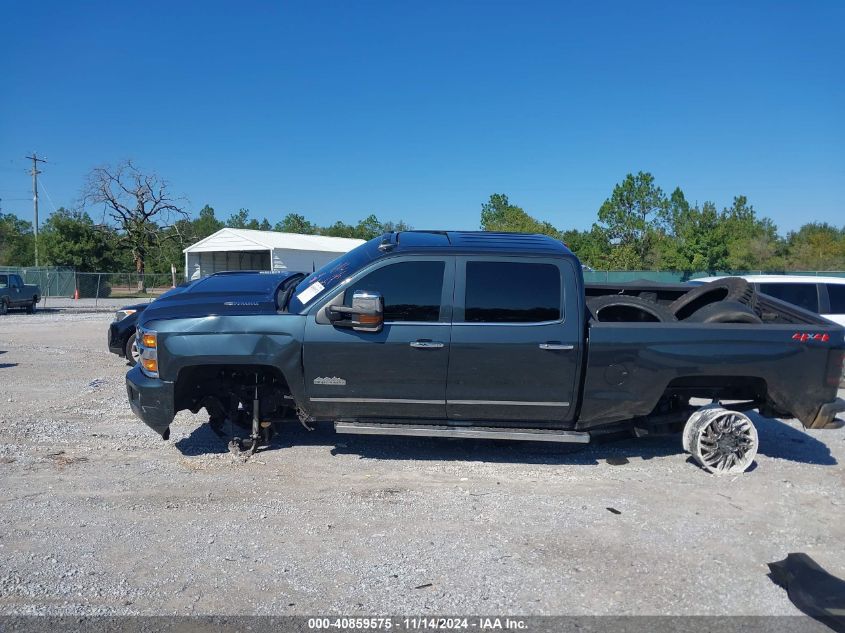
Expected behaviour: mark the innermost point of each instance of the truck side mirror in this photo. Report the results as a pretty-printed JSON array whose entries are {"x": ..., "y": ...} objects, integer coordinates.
[{"x": 365, "y": 315}]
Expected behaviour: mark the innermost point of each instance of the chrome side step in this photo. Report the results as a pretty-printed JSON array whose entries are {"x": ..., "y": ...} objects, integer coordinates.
[{"x": 482, "y": 432}]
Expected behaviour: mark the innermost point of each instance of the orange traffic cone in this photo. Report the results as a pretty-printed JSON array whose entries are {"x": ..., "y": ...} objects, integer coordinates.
[{"x": 76, "y": 294}]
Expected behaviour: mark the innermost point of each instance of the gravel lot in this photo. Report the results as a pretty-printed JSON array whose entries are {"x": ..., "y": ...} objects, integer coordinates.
[{"x": 98, "y": 515}]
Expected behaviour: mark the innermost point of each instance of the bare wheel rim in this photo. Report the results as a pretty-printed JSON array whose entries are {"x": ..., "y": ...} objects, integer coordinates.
[
  {"x": 726, "y": 443},
  {"x": 136, "y": 353},
  {"x": 692, "y": 424}
]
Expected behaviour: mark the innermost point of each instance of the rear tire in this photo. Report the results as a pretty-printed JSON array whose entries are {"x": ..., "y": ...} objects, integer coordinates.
[
  {"x": 727, "y": 289},
  {"x": 4, "y": 307},
  {"x": 610, "y": 308},
  {"x": 30, "y": 308},
  {"x": 724, "y": 312}
]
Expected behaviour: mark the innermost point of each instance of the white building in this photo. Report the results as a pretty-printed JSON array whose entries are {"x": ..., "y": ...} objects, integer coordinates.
[{"x": 245, "y": 249}]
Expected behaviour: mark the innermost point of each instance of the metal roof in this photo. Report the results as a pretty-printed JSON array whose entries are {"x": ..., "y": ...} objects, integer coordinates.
[{"x": 249, "y": 240}]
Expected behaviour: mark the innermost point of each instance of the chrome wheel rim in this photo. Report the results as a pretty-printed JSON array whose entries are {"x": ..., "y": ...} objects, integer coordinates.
[
  {"x": 135, "y": 352},
  {"x": 726, "y": 443}
]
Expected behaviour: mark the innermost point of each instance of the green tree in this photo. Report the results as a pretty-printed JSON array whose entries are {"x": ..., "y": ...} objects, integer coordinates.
[
  {"x": 695, "y": 241},
  {"x": 241, "y": 220},
  {"x": 591, "y": 247},
  {"x": 752, "y": 243},
  {"x": 368, "y": 228},
  {"x": 296, "y": 223},
  {"x": 339, "y": 229},
  {"x": 498, "y": 214},
  {"x": 817, "y": 246},
  {"x": 630, "y": 217},
  {"x": 69, "y": 238},
  {"x": 205, "y": 224},
  {"x": 17, "y": 243}
]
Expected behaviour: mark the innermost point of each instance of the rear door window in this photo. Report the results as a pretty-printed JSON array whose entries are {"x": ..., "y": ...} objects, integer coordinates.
[
  {"x": 4, "y": 281},
  {"x": 836, "y": 293},
  {"x": 803, "y": 295},
  {"x": 412, "y": 290},
  {"x": 512, "y": 292}
]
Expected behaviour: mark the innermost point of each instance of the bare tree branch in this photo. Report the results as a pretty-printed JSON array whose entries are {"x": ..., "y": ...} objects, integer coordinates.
[{"x": 140, "y": 205}]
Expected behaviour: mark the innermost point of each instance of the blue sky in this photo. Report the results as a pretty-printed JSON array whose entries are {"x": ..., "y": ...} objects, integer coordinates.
[{"x": 420, "y": 110}]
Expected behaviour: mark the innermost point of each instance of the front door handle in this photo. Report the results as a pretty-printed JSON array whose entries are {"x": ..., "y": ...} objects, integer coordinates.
[
  {"x": 555, "y": 346},
  {"x": 427, "y": 344}
]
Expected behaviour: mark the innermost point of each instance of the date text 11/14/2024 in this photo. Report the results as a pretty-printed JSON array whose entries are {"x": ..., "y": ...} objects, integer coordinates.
[{"x": 417, "y": 623}]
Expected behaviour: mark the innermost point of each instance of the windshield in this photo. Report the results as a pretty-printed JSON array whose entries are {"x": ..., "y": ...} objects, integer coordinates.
[{"x": 333, "y": 273}]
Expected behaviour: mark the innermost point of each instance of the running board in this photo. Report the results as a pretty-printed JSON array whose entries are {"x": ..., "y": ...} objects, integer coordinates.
[{"x": 482, "y": 432}]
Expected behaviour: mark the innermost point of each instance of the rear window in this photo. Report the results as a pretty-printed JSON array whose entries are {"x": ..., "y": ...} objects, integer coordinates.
[
  {"x": 803, "y": 295},
  {"x": 836, "y": 292},
  {"x": 511, "y": 292}
]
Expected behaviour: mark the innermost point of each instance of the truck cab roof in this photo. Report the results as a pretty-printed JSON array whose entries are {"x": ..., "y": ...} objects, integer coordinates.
[{"x": 472, "y": 242}]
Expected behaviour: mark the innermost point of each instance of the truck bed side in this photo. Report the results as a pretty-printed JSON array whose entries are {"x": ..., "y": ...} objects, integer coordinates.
[{"x": 631, "y": 366}]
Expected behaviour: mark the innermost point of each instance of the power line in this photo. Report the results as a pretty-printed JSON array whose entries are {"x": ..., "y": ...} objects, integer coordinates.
[
  {"x": 47, "y": 193},
  {"x": 35, "y": 160}
]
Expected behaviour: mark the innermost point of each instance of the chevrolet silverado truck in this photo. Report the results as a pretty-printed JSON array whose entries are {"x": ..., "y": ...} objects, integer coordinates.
[
  {"x": 14, "y": 293},
  {"x": 490, "y": 335}
]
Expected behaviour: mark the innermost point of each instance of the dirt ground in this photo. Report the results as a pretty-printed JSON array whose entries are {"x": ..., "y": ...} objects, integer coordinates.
[{"x": 98, "y": 515}]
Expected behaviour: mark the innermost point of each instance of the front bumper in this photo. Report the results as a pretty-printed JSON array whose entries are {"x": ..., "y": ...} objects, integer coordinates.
[
  {"x": 826, "y": 417},
  {"x": 151, "y": 400}
]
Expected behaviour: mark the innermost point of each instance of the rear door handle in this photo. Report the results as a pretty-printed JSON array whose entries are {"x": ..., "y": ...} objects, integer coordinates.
[
  {"x": 427, "y": 344},
  {"x": 555, "y": 346}
]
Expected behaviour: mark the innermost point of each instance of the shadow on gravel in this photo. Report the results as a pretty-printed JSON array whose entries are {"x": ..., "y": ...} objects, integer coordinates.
[
  {"x": 203, "y": 441},
  {"x": 6, "y": 365},
  {"x": 777, "y": 439},
  {"x": 782, "y": 441}
]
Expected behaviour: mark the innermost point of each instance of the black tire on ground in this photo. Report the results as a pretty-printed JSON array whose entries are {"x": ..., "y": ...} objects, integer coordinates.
[
  {"x": 30, "y": 308},
  {"x": 130, "y": 352},
  {"x": 628, "y": 308},
  {"x": 724, "y": 312},
  {"x": 727, "y": 289},
  {"x": 4, "y": 307}
]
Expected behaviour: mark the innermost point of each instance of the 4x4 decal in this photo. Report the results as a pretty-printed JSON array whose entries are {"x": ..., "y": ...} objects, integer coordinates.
[{"x": 804, "y": 337}]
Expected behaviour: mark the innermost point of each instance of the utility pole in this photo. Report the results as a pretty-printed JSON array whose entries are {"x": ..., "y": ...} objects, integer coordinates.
[{"x": 35, "y": 160}]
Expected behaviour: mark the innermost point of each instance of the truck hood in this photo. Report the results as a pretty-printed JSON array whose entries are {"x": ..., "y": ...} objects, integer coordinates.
[{"x": 193, "y": 301}]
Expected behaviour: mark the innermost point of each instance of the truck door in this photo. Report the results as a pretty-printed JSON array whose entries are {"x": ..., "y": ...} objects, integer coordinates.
[
  {"x": 15, "y": 286},
  {"x": 399, "y": 372},
  {"x": 516, "y": 340}
]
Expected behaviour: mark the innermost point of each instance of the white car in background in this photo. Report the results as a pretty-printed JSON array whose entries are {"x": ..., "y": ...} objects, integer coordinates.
[{"x": 822, "y": 295}]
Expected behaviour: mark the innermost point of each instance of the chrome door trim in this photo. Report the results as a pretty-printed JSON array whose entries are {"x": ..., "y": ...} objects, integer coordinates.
[
  {"x": 378, "y": 400},
  {"x": 556, "y": 346},
  {"x": 510, "y": 403}
]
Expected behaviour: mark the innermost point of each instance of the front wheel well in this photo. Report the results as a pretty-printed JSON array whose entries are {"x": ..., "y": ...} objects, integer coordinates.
[{"x": 223, "y": 388}]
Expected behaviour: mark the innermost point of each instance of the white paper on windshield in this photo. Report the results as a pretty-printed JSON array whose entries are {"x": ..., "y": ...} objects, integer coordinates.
[{"x": 310, "y": 292}]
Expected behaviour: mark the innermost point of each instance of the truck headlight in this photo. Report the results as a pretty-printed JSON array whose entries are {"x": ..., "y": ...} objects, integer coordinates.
[
  {"x": 147, "y": 341},
  {"x": 122, "y": 314}
]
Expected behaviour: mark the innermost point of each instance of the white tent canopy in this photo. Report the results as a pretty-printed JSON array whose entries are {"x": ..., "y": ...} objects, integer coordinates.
[{"x": 245, "y": 249}]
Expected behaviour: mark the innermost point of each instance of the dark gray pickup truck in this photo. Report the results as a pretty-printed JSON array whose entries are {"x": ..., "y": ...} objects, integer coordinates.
[
  {"x": 476, "y": 334},
  {"x": 14, "y": 293}
]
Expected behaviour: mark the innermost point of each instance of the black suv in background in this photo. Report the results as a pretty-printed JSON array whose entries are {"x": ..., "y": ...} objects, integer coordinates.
[{"x": 122, "y": 331}]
